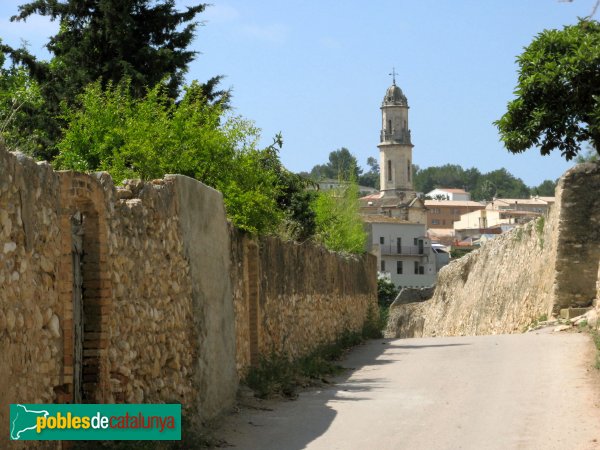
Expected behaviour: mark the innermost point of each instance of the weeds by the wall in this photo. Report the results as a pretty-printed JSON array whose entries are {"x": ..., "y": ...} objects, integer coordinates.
[
  {"x": 278, "y": 374},
  {"x": 518, "y": 234},
  {"x": 596, "y": 338},
  {"x": 539, "y": 228}
]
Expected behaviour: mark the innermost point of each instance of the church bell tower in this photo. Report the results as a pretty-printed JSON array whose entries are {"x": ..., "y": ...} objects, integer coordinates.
[{"x": 395, "y": 146}]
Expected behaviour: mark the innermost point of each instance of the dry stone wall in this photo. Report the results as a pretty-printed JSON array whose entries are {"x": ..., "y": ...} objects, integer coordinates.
[
  {"x": 144, "y": 293},
  {"x": 532, "y": 271},
  {"x": 290, "y": 298}
]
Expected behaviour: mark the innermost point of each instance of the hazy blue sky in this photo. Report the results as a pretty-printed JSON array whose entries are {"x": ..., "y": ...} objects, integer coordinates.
[{"x": 317, "y": 72}]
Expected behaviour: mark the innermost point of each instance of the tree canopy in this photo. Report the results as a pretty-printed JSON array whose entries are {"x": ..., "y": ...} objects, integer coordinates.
[
  {"x": 151, "y": 136},
  {"x": 342, "y": 164},
  {"x": 557, "y": 104},
  {"x": 143, "y": 41}
]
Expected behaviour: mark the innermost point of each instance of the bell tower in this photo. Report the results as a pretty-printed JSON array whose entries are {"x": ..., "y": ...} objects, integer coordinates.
[{"x": 395, "y": 146}]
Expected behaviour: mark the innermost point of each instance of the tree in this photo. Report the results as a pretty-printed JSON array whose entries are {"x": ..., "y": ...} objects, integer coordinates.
[
  {"x": 557, "y": 104},
  {"x": 151, "y": 136},
  {"x": 143, "y": 41},
  {"x": 339, "y": 226},
  {"x": 370, "y": 178},
  {"x": 499, "y": 183},
  {"x": 545, "y": 189},
  {"x": 386, "y": 291},
  {"x": 446, "y": 176},
  {"x": 342, "y": 165},
  {"x": 589, "y": 156},
  {"x": 18, "y": 94}
]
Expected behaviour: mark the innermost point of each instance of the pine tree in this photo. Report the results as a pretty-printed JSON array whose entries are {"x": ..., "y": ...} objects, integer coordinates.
[{"x": 109, "y": 40}]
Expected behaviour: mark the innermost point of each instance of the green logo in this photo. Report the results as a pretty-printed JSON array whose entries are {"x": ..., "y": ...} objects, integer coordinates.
[{"x": 104, "y": 422}]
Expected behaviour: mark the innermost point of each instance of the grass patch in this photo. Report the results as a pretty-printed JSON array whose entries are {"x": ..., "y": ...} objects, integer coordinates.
[
  {"x": 280, "y": 375},
  {"x": 539, "y": 228},
  {"x": 518, "y": 234},
  {"x": 535, "y": 322},
  {"x": 584, "y": 326},
  {"x": 596, "y": 338}
]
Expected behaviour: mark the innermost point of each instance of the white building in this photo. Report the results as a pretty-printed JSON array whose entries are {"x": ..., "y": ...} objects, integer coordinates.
[
  {"x": 404, "y": 252},
  {"x": 449, "y": 194}
]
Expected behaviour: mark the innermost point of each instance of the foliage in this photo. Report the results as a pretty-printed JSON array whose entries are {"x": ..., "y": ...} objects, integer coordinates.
[
  {"x": 18, "y": 94},
  {"x": 338, "y": 223},
  {"x": 386, "y": 291},
  {"x": 589, "y": 156},
  {"x": 557, "y": 104},
  {"x": 497, "y": 183},
  {"x": 342, "y": 165},
  {"x": 143, "y": 41},
  {"x": 459, "y": 252},
  {"x": 370, "y": 178},
  {"x": 149, "y": 137},
  {"x": 278, "y": 374},
  {"x": 539, "y": 228},
  {"x": 545, "y": 189}
]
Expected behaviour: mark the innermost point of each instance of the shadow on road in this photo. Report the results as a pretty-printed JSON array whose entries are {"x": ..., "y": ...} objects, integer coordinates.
[{"x": 292, "y": 425}]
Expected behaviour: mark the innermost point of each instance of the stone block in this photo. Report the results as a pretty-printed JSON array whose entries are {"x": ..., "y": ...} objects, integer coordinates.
[{"x": 569, "y": 313}]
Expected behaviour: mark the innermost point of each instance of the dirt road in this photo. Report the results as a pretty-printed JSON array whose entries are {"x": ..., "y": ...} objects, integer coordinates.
[{"x": 528, "y": 391}]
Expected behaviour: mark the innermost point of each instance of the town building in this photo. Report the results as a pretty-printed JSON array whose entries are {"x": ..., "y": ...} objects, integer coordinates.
[
  {"x": 441, "y": 214},
  {"x": 404, "y": 252},
  {"x": 449, "y": 194},
  {"x": 540, "y": 205}
]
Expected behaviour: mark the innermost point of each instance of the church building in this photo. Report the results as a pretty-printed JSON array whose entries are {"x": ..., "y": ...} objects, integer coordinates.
[{"x": 395, "y": 218}]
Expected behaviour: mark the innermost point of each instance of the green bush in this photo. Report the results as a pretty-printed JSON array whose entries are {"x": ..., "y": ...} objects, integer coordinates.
[
  {"x": 338, "y": 223},
  {"x": 386, "y": 291},
  {"x": 151, "y": 136}
]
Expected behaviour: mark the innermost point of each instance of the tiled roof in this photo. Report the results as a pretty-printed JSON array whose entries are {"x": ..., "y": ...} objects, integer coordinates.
[
  {"x": 470, "y": 203},
  {"x": 379, "y": 218}
]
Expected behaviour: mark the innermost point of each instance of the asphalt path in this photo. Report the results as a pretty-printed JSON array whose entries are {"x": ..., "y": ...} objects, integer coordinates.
[{"x": 526, "y": 391}]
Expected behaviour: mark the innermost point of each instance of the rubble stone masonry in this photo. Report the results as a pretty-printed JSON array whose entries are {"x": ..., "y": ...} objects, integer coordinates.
[
  {"x": 145, "y": 294},
  {"x": 513, "y": 280}
]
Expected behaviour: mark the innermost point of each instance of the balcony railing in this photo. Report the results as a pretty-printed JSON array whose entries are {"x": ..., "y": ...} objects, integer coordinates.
[{"x": 404, "y": 250}]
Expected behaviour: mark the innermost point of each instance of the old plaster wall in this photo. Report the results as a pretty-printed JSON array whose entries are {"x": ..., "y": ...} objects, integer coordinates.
[
  {"x": 532, "y": 271},
  {"x": 290, "y": 298}
]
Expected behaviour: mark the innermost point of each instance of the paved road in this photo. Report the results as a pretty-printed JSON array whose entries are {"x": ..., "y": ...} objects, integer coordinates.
[{"x": 529, "y": 391}]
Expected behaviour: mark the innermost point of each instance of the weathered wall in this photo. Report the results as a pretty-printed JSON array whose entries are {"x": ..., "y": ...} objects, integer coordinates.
[
  {"x": 578, "y": 247},
  {"x": 514, "y": 279},
  {"x": 31, "y": 350},
  {"x": 290, "y": 298},
  {"x": 158, "y": 323},
  {"x": 174, "y": 303}
]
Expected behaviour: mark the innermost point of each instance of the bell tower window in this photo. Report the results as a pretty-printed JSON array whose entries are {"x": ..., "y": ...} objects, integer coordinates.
[
  {"x": 389, "y": 126},
  {"x": 389, "y": 170}
]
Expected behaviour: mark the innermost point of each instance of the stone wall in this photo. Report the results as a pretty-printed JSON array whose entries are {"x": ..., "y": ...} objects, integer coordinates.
[
  {"x": 578, "y": 247},
  {"x": 154, "y": 294},
  {"x": 145, "y": 294},
  {"x": 532, "y": 271},
  {"x": 290, "y": 298}
]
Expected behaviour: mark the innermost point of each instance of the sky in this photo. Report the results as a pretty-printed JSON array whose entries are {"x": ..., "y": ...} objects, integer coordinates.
[{"x": 316, "y": 71}]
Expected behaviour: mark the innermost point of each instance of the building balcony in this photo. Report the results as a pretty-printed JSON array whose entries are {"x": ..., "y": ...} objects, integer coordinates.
[{"x": 412, "y": 250}]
